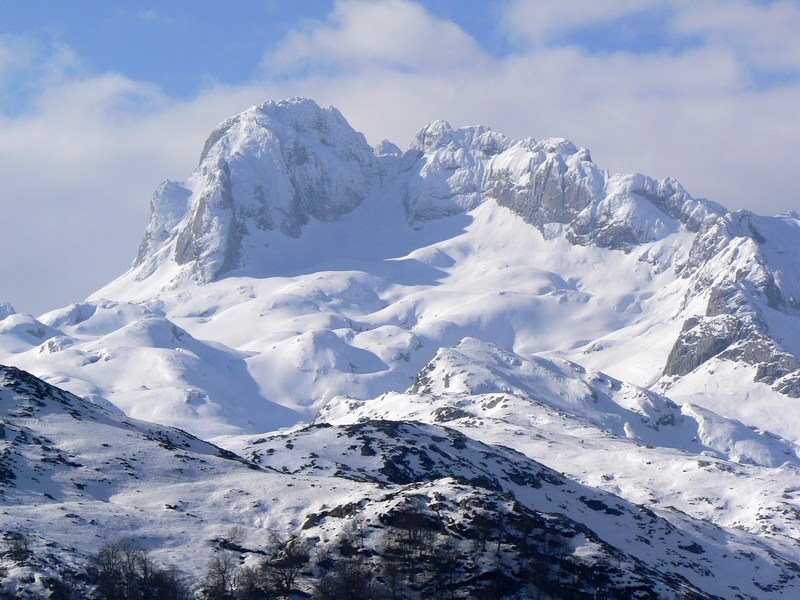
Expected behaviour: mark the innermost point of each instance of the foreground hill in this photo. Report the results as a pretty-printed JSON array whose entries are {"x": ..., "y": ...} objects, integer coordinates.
[{"x": 76, "y": 475}]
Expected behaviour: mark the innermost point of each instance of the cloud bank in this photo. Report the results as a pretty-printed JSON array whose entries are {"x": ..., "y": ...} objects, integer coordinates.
[{"x": 706, "y": 92}]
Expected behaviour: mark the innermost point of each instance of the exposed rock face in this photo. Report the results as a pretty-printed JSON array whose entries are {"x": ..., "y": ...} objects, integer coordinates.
[
  {"x": 733, "y": 328},
  {"x": 548, "y": 182},
  {"x": 444, "y": 171},
  {"x": 211, "y": 241},
  {"x": 729, "y": 263},
  {"x": 6, "y": 310},
  {"x": 168, "y": 205},
  {"x": 273, "y": 167},
  {"x": 561, "y": 184}
]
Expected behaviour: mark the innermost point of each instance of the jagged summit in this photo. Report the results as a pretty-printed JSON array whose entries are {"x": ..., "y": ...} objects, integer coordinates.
[
  {"x": 387, "y": 148},
  {"x": 440, "y": 134},
  {"x": 278, "y": 115},
  {"x": 275, "y": 167}
]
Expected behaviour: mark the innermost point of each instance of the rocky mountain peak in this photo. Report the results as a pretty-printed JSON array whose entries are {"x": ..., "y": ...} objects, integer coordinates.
[
  {"x": 276, "y": 166},
  {"x": 559, "y": 146},
  {"x": 281, "y": 117},
  {"x": 433, "y": 136},
  {"x": 479, "y": 140},
  {"x": 271, "y": 168},
  {"x": 6, "y": 310},
  {"x": 387, "y": 148}
]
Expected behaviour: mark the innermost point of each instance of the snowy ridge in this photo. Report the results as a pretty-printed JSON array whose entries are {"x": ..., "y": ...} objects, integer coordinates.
[
  {"x": 311, "y": 164},
  {"x": 393, "y": 452},
  {"x": 276, "y": 165},
  {"x": 474, "y": 368},
  {"x": 69, "y": 467},
  {"x": 603, "y": 432}
]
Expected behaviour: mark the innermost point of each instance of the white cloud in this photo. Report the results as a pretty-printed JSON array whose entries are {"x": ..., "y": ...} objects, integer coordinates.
[
  {"x": 150, "y": 14},
  {"x": 79, "y": 165},
  {"x": 764, "y": 35},
  {"x": 15, "y": 53},
  {"x": 359, "y": 34},
  {"x": 153, "y": 16},
  {"x": 540, "y": 21}
]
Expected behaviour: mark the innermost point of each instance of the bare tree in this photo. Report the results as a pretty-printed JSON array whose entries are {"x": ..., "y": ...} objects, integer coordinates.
[
  {"x": 359, "y": 529},
  {"x": 408, "y": 543},
  {"x": 254, "y": 584},
  {"x": 349, "y": 579},
  {"x": 288, "y": 556},
  {"x": 445, "y": 566},
  {"x": 220, "y": 579},
  {"x": 321, "y": 556},
  {"x": 394, "y": 575},
  {"x": 131, "y": 557},
  {"x": 235, "y": 535},
  {"x": 107, "y": 570},
  {"x": 18, "y": 545},
  {"x": 485, "y": 526},
  {"x": 168, "y": 584},
  {"x": 123, "y": 571}
]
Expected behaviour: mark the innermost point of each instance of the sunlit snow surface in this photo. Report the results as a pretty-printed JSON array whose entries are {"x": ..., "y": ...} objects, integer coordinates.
[{"x": 299, "y": 277}]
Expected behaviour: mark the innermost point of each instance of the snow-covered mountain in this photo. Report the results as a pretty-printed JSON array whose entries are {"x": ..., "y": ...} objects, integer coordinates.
[
  {"x": 642, "y": 342},
  {"x": 297, "y": 263}
]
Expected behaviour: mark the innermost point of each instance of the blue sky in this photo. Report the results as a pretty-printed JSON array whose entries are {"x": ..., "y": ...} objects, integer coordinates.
[
  {"x": 178, "y": 45},
  {"x": 183, "y": 46},
  {"x": 100, "y": 101}
]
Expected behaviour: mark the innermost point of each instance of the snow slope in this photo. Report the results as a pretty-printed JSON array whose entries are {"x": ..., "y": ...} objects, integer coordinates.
[
  {"x": 75, "y": 475},
  {"x": 603, "y": 432}
]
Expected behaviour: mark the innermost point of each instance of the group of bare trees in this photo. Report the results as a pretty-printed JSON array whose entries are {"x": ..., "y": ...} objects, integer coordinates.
[
  {"x": 274, "y": 576},
  {"x": 18, "y": 546},
  {"x": 408, "y": 556},
  {"x": 123, "y": 571},
  {"x": 412, "y": 557}
]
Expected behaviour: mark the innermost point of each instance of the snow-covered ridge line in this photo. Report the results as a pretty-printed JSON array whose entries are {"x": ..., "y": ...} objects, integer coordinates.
[
  {"x": 277, "y": 165},
  {"x": 596, "y": 429}
]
